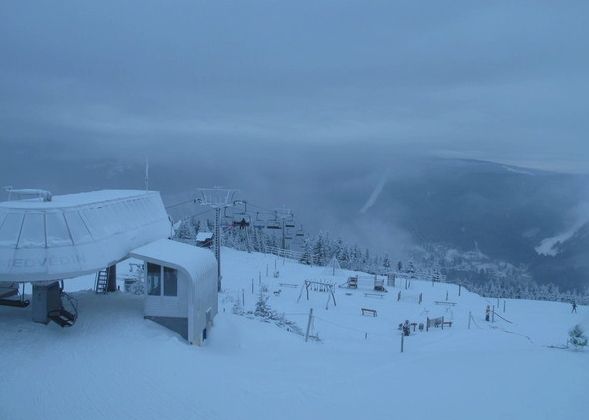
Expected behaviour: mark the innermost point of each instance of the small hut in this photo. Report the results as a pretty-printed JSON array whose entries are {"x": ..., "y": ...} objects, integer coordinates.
[{"x": 180, "y": 287}]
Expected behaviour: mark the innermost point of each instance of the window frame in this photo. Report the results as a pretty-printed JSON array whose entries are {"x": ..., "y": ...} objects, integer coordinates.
[{"x": 162, "y": 280}]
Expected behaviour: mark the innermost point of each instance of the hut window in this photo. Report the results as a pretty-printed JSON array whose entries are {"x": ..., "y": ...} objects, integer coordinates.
[
  {"x": 154, "y": 279},
  {"x": 170, "y": 282}
]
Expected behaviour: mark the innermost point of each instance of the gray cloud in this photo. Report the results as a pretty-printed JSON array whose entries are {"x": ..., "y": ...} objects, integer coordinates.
[{"x": 501, "y": 80}]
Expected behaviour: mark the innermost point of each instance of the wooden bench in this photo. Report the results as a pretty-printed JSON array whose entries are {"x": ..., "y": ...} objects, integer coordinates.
[
  {"x": 367, "y": 312},
  {"x": 448, "y": 323},
  {"x": 437, "y": 302},
  {"x": 378, "y": 295}
]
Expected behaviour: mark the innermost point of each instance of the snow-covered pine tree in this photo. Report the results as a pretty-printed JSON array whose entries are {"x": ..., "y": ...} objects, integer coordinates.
[
  {"x": 577, "y": 337},
  {"x": 185, "y": 232},
  {"x": 386, "y": 262},
  {"x": 262, "y": 308},
  {"x": 319, "y": 251},
  {"x": 307, "y": 257}
]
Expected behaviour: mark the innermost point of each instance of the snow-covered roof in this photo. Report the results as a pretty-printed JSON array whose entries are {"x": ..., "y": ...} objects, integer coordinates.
[
  {"x": 76, "y": 234},
  {"x": 203, "y": 236},
  {"x": 73, "y": 200},
  {"x": 193, "y": 260}
]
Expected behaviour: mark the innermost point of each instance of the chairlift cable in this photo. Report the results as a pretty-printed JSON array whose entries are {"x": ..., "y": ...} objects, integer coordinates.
[{"x": 192, "y": 200}]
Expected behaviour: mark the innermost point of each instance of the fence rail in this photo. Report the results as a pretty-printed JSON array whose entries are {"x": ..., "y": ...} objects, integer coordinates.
[{"x": 286, "y": 253}]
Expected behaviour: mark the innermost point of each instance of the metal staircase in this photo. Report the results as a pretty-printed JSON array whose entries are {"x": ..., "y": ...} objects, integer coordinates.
[{"x": 101, "y": 283}]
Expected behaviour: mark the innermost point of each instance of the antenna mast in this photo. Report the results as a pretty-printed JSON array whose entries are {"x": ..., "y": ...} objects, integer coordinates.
[{"x": 146, "y": 173}]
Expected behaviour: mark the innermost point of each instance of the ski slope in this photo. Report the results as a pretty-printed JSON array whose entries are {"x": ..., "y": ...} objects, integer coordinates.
[{"x": 113, "y": 364}]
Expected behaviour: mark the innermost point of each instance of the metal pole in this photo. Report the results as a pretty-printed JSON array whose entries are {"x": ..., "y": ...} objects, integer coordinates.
[
  {"x": 402, "y": 340},
  {"x": 503, "y": 305},
  {"x": 459, "y": 289},
  {"x": 469, "y": 317},
  {"x": 309, "y": 325},
  {"x": 283, "y": 234},
  {"x": 252, "y": 285},
  {"x": 218, "y": 245},
  {"x": 493, "y": 314},
  {"x": 243, "y": 298}
]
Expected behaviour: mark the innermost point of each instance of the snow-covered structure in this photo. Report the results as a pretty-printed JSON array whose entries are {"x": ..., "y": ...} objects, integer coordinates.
[
  {"x": 204, "y": 239},
  {"x": 43, "y": 241},
  {"x": 76, "y": 234},
  {"x": 181, "y": 287}
]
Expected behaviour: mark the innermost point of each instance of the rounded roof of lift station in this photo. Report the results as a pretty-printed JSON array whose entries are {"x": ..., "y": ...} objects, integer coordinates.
[{"x": 76, "y": 234}]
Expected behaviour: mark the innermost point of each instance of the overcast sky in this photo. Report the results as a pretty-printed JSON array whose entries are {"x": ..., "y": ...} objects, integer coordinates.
[{"x": 504, "y": 81}]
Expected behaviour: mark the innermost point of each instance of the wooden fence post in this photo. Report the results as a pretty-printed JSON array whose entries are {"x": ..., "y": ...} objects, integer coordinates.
[{"x": 309, "y": 324}]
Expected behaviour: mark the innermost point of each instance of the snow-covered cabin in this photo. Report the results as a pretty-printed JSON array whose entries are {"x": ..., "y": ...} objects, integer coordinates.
[
  {"x": 204, "y": 239},
  {"x": 180, "y": 287}
]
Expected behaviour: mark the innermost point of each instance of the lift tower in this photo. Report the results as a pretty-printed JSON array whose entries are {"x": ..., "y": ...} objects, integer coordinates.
[{"x": 217, "y": 199}]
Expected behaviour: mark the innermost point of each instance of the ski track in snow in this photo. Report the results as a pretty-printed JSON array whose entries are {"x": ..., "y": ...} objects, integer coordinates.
[
  {"x": 375, "y": 194},
  {"x": 113, "y": 364}
]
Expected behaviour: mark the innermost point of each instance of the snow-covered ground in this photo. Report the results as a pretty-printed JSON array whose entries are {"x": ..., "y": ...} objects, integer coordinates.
[{"x": 113, "y": 364}]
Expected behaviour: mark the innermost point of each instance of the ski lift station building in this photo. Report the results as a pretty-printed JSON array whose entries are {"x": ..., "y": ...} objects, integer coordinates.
[{"x": 43, "y": 241}]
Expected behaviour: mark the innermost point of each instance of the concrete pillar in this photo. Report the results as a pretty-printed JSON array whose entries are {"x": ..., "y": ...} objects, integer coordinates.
[
  {"x": 45, "y": 298},
  {"x": 112, "y": 278}
]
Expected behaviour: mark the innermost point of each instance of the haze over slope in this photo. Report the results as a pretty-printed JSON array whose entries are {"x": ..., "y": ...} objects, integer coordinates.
[{"x": 387, "y": 203}]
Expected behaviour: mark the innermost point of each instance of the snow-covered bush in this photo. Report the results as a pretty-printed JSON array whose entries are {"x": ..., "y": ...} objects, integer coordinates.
[
  {"x": 577, "y": 337},
  {"x": 138, "y": 287}
]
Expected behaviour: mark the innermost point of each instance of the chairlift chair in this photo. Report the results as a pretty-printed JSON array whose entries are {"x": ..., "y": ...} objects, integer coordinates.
[
  {"x": 274, "y": 224},
  {"x": 258, "y": 222},
  {"x": 242, "y": 211},
  {"x": 242, "y": 221}
]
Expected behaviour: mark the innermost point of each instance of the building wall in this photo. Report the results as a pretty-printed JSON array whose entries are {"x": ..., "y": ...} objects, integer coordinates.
[{"x": 205, "y": 298}]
